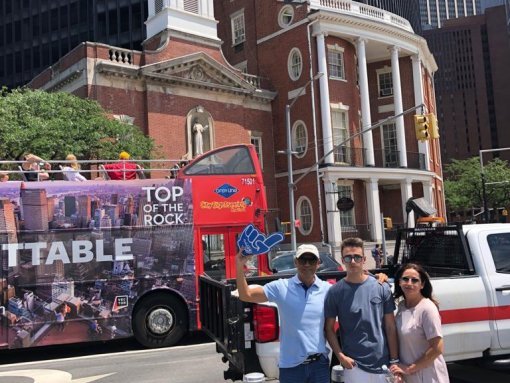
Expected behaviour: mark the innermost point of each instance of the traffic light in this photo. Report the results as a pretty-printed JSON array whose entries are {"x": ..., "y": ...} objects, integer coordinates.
[
  {"x": 422, "y": 126},
  {"x": 433, "y": 128}
]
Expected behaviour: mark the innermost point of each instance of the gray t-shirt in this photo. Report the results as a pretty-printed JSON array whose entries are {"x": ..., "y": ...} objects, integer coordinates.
[{"x": 360, "y": 308}]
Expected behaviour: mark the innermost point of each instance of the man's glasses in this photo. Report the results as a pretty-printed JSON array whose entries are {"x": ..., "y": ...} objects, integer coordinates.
[
  {"x": 303, "y": 261},
  {"x": 407, "y": 279},
  {"x": 348, "y": 258}
]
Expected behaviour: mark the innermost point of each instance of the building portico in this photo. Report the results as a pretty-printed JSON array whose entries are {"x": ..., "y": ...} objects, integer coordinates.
[{"x": 373, "y": 183}]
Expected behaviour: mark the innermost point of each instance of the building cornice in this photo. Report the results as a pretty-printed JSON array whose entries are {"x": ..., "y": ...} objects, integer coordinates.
[{"x": 352, "y": 27}]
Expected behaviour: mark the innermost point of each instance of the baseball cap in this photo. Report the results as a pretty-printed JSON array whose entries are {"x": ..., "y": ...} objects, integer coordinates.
[{"x": 307, "y": 249}]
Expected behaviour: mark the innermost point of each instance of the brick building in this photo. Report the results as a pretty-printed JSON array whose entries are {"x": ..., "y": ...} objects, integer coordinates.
[{"x": 235, "y": 66}]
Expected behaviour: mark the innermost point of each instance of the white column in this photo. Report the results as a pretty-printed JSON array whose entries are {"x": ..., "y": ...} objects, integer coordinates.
[
  {"x": 397, "y": 101},
  {"x": 324, "y": 96},
  {"x": 374, "y": 209},
  {"x": 406, "y": 191},
  {"x": 332, "y": 213},
  {"x": 423, "y": 146},
  {"x": 365, "y": 101},
  {"x": 427, "y": 192}
]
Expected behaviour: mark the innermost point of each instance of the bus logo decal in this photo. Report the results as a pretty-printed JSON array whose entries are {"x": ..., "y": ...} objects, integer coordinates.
[{"x": 226, "y": 190}]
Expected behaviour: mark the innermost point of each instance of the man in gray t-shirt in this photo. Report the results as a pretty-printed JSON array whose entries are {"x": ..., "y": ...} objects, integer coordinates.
[{"x": 364, "y": 309}]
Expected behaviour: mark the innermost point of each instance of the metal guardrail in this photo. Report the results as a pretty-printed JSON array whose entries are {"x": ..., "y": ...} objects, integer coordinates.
[{"x": 92, "y": 166}]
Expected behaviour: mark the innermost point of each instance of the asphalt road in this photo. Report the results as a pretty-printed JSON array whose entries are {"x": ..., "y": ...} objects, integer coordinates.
[
  {"x": 193, "y": 361},
  {"x": 196, "y": 362}
]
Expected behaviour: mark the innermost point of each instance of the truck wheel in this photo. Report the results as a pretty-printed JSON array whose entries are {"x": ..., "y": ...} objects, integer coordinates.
[{"x": 160, "y": 321}]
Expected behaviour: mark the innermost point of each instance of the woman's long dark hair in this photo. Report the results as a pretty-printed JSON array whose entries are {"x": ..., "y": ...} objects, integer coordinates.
[{"x": 426, "y": 291}]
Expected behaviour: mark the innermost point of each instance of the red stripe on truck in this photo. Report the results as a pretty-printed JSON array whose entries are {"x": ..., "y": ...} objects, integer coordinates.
[{"x": 475, "y": 314}]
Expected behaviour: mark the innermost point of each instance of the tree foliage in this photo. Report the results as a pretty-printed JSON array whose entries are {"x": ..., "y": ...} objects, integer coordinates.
[
  {"x": 463, "y": 184},
  {"x": 52, "y": 125}
]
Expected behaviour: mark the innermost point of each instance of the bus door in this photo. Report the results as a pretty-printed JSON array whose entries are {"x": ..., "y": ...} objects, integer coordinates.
[{"x": 218, "y": 247}]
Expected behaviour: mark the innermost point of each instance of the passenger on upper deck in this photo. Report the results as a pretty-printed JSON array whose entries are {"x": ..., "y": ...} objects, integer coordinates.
[
  {"x": 4, "y": 177},
  {"x": 35, "y": 167},
  {"x": 71, "y": 170},
  {"x": 123, "y": 170}
]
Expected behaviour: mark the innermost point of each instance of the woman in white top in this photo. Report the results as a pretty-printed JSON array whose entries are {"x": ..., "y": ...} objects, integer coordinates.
[
  {"x": 72, "y": 169},
  {"x": 419, "y": 328}
]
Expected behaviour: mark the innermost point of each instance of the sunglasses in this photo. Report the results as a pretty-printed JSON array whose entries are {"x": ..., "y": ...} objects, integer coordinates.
[
  {"x": 348, "y": 258},
  {"x": 303, "y": 261},
  {"x": 407, "y": 279}
]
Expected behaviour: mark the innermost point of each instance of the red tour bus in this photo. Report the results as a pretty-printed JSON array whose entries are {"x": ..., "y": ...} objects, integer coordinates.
[{"x": 98, "y": 260}]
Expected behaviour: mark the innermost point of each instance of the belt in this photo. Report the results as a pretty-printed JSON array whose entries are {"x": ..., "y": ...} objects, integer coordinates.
[{"x": 312, "y": 358}]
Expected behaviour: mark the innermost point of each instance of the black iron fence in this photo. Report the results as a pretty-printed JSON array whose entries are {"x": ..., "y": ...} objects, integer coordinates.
[{"x": 348, "y": 156}]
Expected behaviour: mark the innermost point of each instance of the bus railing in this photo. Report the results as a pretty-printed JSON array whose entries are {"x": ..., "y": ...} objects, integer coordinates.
[{"x": 161, "y": 167}]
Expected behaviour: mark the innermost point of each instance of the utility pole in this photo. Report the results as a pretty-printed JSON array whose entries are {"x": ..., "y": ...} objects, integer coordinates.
[{"x": 290, "y": 153}]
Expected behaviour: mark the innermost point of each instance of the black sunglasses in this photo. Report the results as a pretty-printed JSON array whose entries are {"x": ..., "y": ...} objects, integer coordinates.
[
  {"x": 311, "y": 261},
  {"x": 407, "y": 279},
  {"x": 349, "y": 257}
]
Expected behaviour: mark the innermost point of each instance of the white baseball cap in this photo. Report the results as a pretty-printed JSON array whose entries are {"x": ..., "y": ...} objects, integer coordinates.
[{"x": 307, "y": 249}]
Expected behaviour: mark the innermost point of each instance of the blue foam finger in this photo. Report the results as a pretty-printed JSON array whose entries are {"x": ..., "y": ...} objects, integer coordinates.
[{"x": 254, "y": 242}]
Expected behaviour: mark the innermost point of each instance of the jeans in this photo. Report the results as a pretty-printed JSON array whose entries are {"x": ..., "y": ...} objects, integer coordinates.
[{"x": 314, "y": 372}]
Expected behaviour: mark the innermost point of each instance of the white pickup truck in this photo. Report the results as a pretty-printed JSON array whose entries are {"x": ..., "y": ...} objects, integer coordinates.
[{"x": 470, "y": 270}]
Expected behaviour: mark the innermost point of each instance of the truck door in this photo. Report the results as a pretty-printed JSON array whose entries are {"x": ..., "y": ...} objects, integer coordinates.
[
  {"x": 217, "y": 249},
  {"x": 496, "y": 249}
]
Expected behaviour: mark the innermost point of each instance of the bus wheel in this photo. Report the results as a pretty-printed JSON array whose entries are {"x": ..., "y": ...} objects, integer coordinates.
[{"x": 160, "y": 321}]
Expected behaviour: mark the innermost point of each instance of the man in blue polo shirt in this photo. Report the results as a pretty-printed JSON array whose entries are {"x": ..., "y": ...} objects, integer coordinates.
[{"x": 300, "y": 301}]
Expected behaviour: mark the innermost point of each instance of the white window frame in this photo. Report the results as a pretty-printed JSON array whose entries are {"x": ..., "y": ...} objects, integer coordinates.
[
  {"x": 389, "y": 147},
  {"x": 257, "y": 142},
  {"x": 299, "y": 207},
  {"x": 297, "y": 125},
  {"x": 286, "y": 16},
  {"x": 295, "y": 64},
  {"x": 386, "y": 92},
  {"x": 337, "y": 51},
  {"x": 238, "y": 27},
  {"x": 351, "y": 214},
  {"x": 344, "y": 151}
]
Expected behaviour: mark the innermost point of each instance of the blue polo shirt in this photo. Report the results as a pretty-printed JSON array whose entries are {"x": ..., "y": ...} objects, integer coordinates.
[{"x": 301, "y": 314}]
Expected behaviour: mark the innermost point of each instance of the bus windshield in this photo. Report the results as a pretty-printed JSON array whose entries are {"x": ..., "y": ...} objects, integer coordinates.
[{"x": 236, "y": 160}]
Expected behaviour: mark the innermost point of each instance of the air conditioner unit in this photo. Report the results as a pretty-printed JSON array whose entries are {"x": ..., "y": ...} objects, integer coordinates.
[{"x": 386, "y": 92}]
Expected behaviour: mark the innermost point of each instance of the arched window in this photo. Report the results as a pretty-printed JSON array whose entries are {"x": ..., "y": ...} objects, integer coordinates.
[
  {"x": 295, "y": 64},
  {"x": 299, "y": 139},
  {"x": 305, "y": 215},
  {"x": 285, "y": 16}
]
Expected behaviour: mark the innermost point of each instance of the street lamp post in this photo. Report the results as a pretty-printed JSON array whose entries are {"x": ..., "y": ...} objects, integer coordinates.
[
  {"x": 289, "y": 152},
  {"x": 292, "y": 211}
]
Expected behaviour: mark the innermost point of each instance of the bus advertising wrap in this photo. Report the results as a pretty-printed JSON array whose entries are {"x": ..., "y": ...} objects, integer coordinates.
[{"x": 76, "y": 256}]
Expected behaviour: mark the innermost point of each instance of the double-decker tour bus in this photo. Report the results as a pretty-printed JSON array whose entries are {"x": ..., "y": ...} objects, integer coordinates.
[{"x": 100, "y": 259}]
